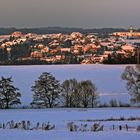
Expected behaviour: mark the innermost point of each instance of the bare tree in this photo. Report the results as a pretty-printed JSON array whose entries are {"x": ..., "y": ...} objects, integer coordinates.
[
  {"x": 88, "y": 93},
  {"x": 79, "y": 94},
  {"x": 69, "y": 87},
  {"x": 131, "y": 75}
]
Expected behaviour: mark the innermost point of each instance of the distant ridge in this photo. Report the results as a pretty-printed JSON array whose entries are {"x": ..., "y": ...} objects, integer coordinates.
[{"x": 64, "y": 30}]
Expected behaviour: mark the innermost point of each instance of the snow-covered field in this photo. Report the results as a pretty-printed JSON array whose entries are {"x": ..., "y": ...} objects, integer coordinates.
[
  {"x": 60, "y": 117},
  {"x": 106, "y": 77},
  {"x": 19, "y": 135},
  {"x": 108, "y": 81}
]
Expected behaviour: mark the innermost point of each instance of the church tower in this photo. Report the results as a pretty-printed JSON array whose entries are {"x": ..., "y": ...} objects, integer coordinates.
[{"x": 131, "y": 29}]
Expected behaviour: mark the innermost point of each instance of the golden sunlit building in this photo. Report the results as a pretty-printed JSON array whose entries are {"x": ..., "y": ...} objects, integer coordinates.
[{"x": 130, "y": 33}]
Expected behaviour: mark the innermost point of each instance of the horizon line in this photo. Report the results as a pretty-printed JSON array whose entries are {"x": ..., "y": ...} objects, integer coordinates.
[{"x": 33, "y": 27}]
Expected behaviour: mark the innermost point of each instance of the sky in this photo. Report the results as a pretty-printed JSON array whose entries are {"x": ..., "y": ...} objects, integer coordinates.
[{"x": 70, "y": 13}]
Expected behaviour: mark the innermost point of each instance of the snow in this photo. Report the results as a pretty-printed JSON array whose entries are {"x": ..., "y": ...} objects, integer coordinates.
[
  {"x": 19, "y": 135},
  {"x": 106, "y": 77},
  {"x": 60, "y": 117},
  {"x": 109, "y": 84},
  {"x": 67, "y": 114}
]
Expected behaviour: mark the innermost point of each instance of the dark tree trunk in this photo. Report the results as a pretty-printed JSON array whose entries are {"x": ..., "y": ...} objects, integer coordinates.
[{"x": 7, "y": 105}]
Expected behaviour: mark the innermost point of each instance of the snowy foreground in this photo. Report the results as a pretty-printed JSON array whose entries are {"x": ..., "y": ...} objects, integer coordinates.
[{"x": 60, "y": 117}]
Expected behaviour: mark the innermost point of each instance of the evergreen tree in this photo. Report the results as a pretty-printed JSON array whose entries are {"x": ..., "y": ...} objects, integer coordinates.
[
  {"x": 46, "y": 91},
  {"x": 9, "y": 94}
]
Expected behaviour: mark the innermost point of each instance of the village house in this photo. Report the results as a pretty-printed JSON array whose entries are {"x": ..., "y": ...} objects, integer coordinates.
[
  {"x": 45, "y": 50},
  {"x": 36, "y": 54},
  {"x": 17, "y": 34},
  {"x": 54, "y": 47},
  {"x": 59, "y": 57},
  {"x": 128, "y": 48},
  {"x": 64, "y": 50}
]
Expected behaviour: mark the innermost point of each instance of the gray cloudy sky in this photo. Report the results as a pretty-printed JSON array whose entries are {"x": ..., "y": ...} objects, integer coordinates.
[{"x": 70, "y": 13}]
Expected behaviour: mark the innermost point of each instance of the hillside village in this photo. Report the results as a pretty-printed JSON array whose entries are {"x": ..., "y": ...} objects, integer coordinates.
[{"x": 74, "y": 48}]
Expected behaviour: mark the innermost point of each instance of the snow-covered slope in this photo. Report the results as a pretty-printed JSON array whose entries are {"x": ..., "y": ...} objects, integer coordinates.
[
  {"x": 39, "y": 135},
  {"x": 60, "y": 117}
]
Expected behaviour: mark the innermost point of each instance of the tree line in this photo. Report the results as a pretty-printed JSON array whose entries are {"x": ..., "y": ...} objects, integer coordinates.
[{"x": 48, "y": 92}]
